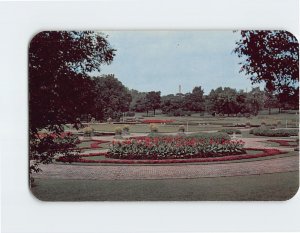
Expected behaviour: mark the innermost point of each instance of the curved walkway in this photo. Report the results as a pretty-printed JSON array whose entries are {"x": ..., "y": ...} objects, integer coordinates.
[{"x": 115, "y": 172}]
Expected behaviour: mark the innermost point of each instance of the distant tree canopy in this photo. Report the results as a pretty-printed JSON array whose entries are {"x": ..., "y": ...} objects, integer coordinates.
[
  {"x": 59, "y": 85},
  {"x": 112, "y": 98},
  {"x": 271, "y": 57},
  {"x": 184, "y": 104},
  {"x": 152, "y": 101},
  {"x": 230, "y": 101}
]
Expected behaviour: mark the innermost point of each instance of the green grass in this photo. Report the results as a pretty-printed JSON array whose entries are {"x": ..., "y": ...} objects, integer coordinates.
[
  {"x": 212, "y": 123},
  {"x": 144, "y": 128},
  {"x": 278, "y": 186}
]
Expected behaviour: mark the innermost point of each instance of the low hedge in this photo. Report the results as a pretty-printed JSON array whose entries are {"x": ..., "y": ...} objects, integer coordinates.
[
  {"x": 230, "y": 131},
  {"x": 274, "y": 133}
]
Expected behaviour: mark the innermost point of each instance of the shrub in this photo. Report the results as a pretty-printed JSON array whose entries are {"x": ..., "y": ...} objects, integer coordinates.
[
  {"x": 230, "y": 131},
  {"x": 118, "y": 130},
  {"x": 88, "y": 131},
  {"x": 130, "y": 114},
  {"x": 126, "y": 129},
  {"x": 181, "y": 128},
  {"x": 153, "y": 128},
  {"x": 248, "y": 124},
  {"x": 274, "y": 133},
  {"x": 263, "y": 123},
  {"x": 188, "y": 113}
]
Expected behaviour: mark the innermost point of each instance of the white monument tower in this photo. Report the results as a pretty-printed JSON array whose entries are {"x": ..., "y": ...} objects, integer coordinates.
[{"x": 179, "y": 89}]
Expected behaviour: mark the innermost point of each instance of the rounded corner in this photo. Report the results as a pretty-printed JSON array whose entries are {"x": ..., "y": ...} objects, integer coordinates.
[
  {"x": 292, "y": 35},
  {"x": 38, "y": 198},
  {"x": 293, "y": 194},
  {"x": 34, "y": 36}
]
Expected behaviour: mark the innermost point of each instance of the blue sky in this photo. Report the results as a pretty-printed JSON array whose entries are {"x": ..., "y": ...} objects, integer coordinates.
[{"x": 163, "y": 60}]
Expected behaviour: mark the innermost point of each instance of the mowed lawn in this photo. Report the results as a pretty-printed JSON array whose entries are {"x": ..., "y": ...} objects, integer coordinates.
[
  {"x": 277, "y": 186},
  {"x": 197, "y": 123}
]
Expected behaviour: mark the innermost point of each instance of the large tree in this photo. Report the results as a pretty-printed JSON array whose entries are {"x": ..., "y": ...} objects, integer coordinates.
[
  {"x": 271, "y": 57},
  {"x": 112, "y": 97},
  {"x": 195, "y": 101},
  {"x": 152, "y": 101},
  {"x": 59, "y": 85}
]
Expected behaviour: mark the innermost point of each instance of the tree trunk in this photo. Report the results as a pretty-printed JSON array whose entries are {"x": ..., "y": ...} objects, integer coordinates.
[
  {"x": 269, "y": 111},
  {"x": 147, "y": 112},
  {"x": 154, "y": 112}
]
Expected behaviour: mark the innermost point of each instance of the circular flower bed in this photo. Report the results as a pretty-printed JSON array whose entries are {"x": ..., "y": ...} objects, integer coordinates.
[
  {"x": 167, "y": 147},
  {"x": 84, "y": 158}
]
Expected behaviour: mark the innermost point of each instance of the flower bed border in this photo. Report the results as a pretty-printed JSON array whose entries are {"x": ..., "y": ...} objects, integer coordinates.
[{"x": 265, "y": 153}]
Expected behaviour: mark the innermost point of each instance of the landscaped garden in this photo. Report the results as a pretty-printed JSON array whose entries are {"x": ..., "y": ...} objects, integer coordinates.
[{"x": 86, "y": 127}]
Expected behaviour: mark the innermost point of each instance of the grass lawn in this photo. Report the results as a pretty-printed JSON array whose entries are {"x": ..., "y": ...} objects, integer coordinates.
[
  {"x": 144, "y": 128},
  {"x": 277, "y": 186},
  {"x": 197, "y": 123}
]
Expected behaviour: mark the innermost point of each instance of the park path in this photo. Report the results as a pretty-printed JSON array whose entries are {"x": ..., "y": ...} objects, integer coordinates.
[{"x": 128, "y": 172}]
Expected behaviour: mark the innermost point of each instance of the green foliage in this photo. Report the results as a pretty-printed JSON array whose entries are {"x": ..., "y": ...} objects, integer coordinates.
[
  {"x": 181, "y": 128},
  {"x": 112, "y": 97},
  {"x": 126, "y": 129},
  {"x": 230, "y": 131},
  {"x": 60, "y": 89},
  {"x": 274, "y": 133},
  {"x": 271, "y": 57},
  {"x": 153, "y": 128},
  {"x": 118, "y": 130},
  {"x": 88, "y": 131},
  {"x": 230, "y": 101},
  {"x": 152, "y": 101},
  {"x": 44, "y": 147},
  {"x": 173, "y": 147},
  {"x": 184, "y": 104}
]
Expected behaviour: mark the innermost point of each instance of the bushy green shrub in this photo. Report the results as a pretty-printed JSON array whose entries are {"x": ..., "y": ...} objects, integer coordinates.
[
  {"x": 230, "y": 131},
  {"x": 181, "y": 128},
  {"x": 274, "y": 133},
  {"x": 88, "y": 131},
  {"x": 118, "y": 130},
  {"x": 126, "y": 129},
  {"x": 153, "y": 128}
]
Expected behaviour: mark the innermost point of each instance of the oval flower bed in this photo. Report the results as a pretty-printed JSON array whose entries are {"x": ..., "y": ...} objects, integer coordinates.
[
  {"x": 84, "y": 158},
  {"x": 155, "y": 148}
]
